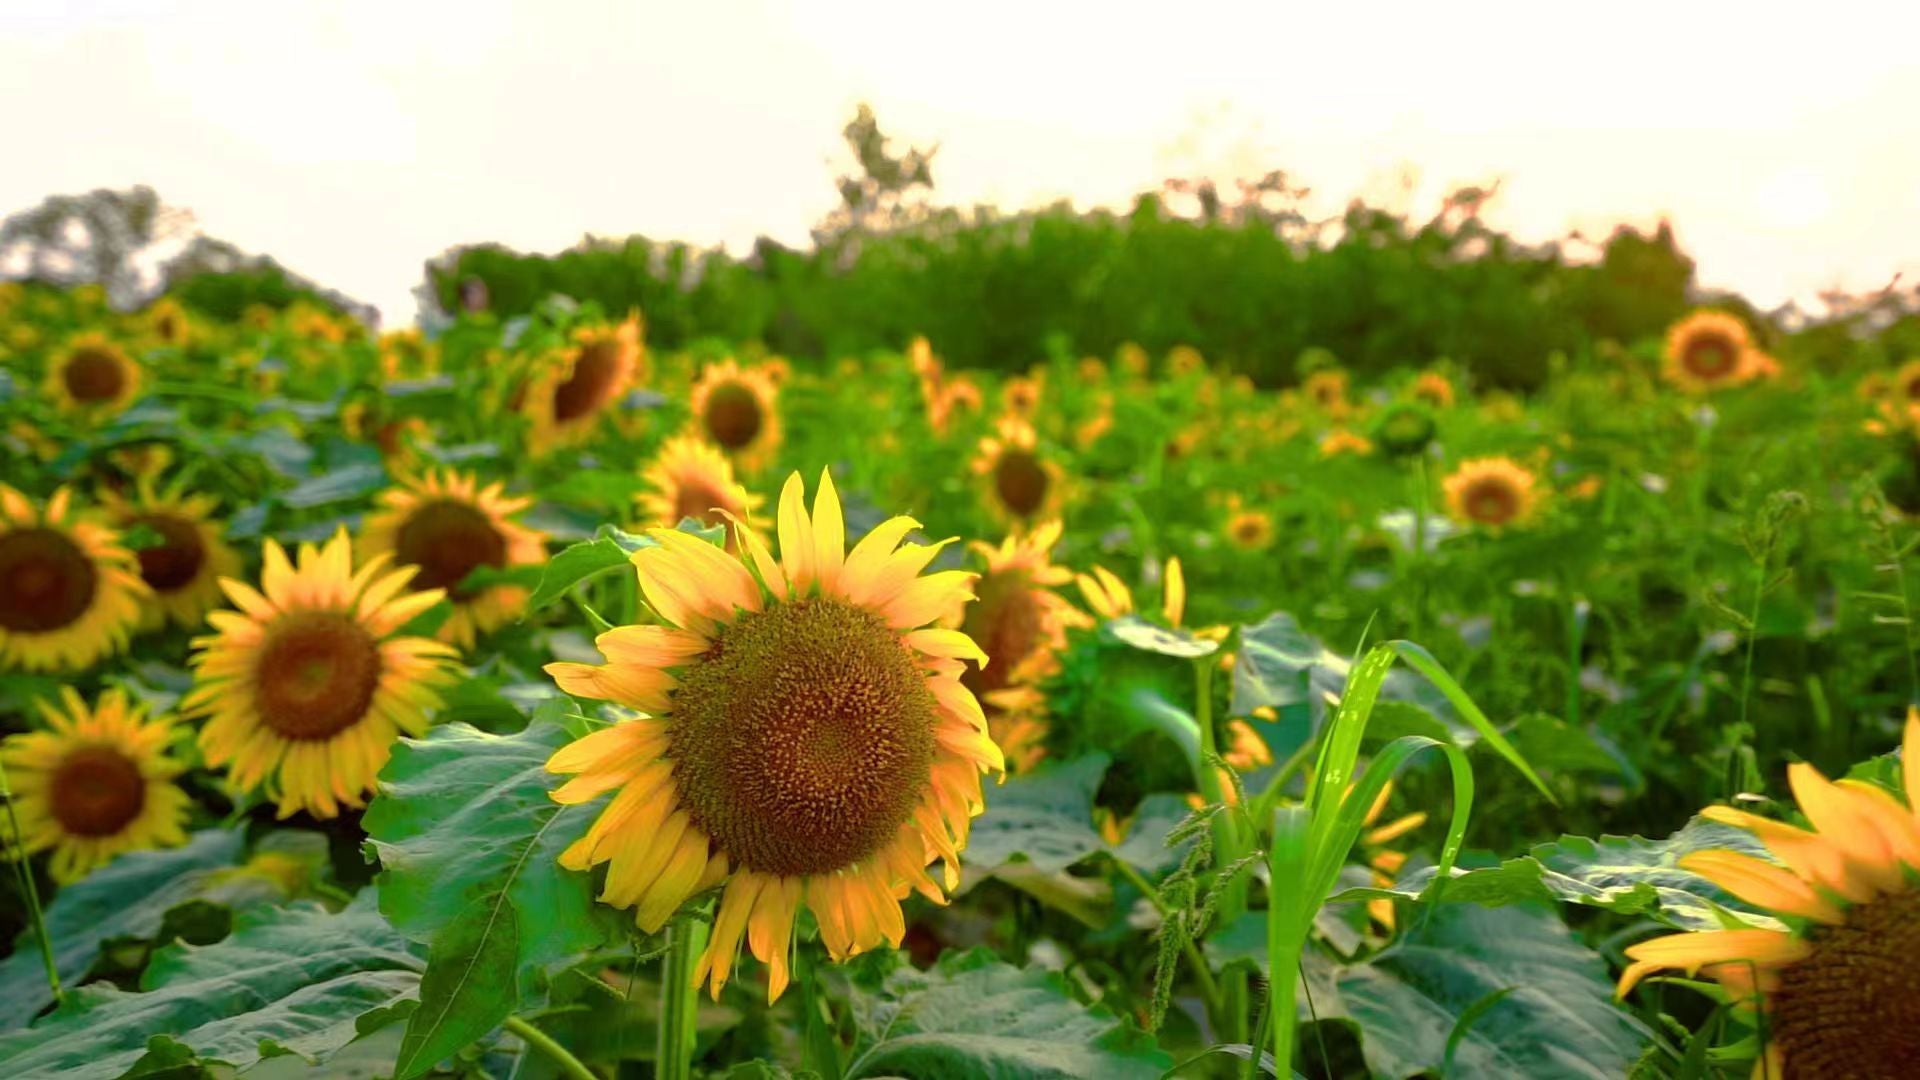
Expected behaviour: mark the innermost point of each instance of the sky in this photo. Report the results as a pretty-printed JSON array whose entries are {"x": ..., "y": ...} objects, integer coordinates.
[{"x": 352, "y": 141}]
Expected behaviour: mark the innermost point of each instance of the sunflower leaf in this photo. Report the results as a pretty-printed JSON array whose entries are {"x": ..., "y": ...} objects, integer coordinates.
[
  {"x": 607, "y": 551},
  {"x": 297, "y": 980},
  {"x": 973, "y": 1015},
  {"x": 470, "y": 841}
]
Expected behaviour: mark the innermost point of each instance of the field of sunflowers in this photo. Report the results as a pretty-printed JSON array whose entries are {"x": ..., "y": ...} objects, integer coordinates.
[{"x": 511, "y": 699}]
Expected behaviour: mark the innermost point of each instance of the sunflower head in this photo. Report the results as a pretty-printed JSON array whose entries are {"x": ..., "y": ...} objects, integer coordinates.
[
  {"x": 1833, "y": 971},
  {"x": 1708, "y": 350},
  {"x": 1018, "y": 619},
  {"x": 95, "y": 782},
  {"x": 1185, "y": 360},
  {"x": 1017, "y": 482},
  {"x": 1021, "y": 396},
  {"x": 185, "y": 555},
  {"x": 574, "y": 387},
  {"x": 691, "y": 478},
  {"x": 447, "y": 525},
  {"x": 1904, "y": 387},
  {"x": 308, "y": 684},
  {"x": 1405, "y": 429},
  {"x": 70, "y": 592},
  {"x": 1247, "y": 529},
  {"x": 1344, "y": 441},
  {"x": 93, "y": 376},
  {"x": 1109, "y": 598},
  {"x": 1433, "y": 389},
  {"x": 1492, "y": 492},
  {"x": 737, "y": 409},
  {"x": 167, "y": 321},
  {"x": 1327, "y": 390},
  {"x": 804, "y": 739}
]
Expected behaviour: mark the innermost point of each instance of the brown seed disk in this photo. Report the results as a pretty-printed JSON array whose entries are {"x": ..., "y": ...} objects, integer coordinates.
[
  {"x": 448, "y": 540},
  {"x": 316, "y": 676},
  {"x": 1021, "y": 482},
  {"x": 46, "y": 581},
  {"x": 177, "y": 558},
  {"x": 593, "y": 383},
  {"x": 93, "y": 375},
  {"x": 733, "y": 415},
  {"x": 96, "y": 791},
  {"x": 1852, "y": 1009}
]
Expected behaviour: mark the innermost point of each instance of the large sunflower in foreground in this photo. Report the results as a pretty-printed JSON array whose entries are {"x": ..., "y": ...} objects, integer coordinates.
[
  {"x": 447, "y": 525},
  {"x": 187, "y": 558},
  {"x": 1021, "y": 623},
  {"x": 804, "y": 740},
  {"x": 1492, "y": 492},
  {"x": 573, "y": 387},
  {"x": 691, "y": 478},
  {"x": 70, "y": 593},
  {"x": 1016, "y": 482},
  {"x": 308, "y": 684},
  {"x": 738, "y": 409},
  {"x": 96, "y": 783},
  {"x": 93, "y": 377},
  {"x": 1833, "y": 978},
  {"x": 1707, "y": 350}
]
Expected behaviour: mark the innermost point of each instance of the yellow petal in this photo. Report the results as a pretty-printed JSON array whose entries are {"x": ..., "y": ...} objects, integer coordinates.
[
  {"x": 1176, "y": 592},
  {"x": 796, "y": 535},
  {"x": 829, "y": 534},
  {"x": 1764, "y": 884}
]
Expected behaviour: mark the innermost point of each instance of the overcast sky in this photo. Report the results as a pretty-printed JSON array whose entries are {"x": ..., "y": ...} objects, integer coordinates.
[{"x": 354, "y": 140}]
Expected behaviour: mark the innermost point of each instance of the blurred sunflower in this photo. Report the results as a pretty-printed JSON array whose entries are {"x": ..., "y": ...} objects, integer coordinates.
[
  {"x": 948, "y": 398},
  {"x": 1341, "y": 441},
  {"x": 1833, "y": 974},
  {"x": 447, "y": 525},
  {"x": 571, "y": 389},
  {"x": 1384, "y": 861},
  {"x": 1433, "y": 389},
  {"x": 1021, "y": 623},
  {"x": 395, "y": 436},
  {"x": 183, "y": 569},
  {"x": 1327, "y": 390},
  {"x": 802, "y": 742},
  {"x": 1184, "y": 360},
  {"x": 1110, "y": 598},
  {"x": 97, "y": 783},
  {"x": 70, "y": 593},
  {"x": 1246, "y": 528},
  {"x": 737, "y": 409},
  {"x": 1017, "y": 483},
  {"x": 308, "y": 684},
  {"x": 1707, "y": 350},
  {"x": 407, "y": 354},
  {"x": 168, "y": 322},
  {"x": 691, "y": 478},
  {"x": 1904, "y": 386},
  {"x": 1493, "y": 492},
  {"x": 93, "y": 377},
  {"x": 1021, "y": 395}
]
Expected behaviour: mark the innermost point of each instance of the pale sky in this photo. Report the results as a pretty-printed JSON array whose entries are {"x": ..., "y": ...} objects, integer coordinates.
[{"x": 354, "y": 140}]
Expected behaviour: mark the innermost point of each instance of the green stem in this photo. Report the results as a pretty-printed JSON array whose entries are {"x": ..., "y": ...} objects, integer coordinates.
[
  {"x": 570, "y": 1066},
  {"x": 674, "y": 1060},
  {"x": 31, "y": 891}
]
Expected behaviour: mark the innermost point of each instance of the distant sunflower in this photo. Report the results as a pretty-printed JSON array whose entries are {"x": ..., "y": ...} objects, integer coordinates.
[
  {"x": 1327, "y": 390},
  {"x": 70, "y": 593},
  {"x": 1021, "y": 395},
  {"x": 1340, "y": 442},
  {"x": 574, "y": 387},
  {"x": 1021, "y": 623},
  {"x": 1017, "y": 483},
  {"x": 1708, "y": 350},
  {"x": 738, "y": 409},
  {"x": 691, "y": 478},
  {"x": 1493, "y": 492},
  {"x": 1434, "y": 389},
  {"x": 1384, "y": 861},
  {"x": 184, "y": 567},
  {"x": 802, "y": 742},
  {"x": 1110, "y": 598},
  {"x": 1246, "y": 528},
  {"x": 1905, "y": 386},
  {"x": 1835, "y": 984},
  {"x": 97, "y": 783},
  {"x": 168, "y": 322},
  {"x": 448, "y": 526},
  {"x": 93, "y": 377},
  {"x": 308, "y": 684}
]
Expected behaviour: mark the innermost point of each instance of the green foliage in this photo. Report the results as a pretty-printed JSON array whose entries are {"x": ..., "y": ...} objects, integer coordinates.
[
  {"x": 468, "y": 841},
  {"x": 296, "y": 980},
  {"x": 972, "y": 1015}
]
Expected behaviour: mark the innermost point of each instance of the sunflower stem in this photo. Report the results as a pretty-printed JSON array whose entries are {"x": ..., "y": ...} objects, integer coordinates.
[
  {"x": 18, "y": 856},
  {"x": 674, "y": 1060},
  {"x": 570, "y": 1066}
]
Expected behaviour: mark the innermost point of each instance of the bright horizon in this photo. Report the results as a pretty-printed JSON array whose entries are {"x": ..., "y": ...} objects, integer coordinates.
[{"x": 352, "y": 141}]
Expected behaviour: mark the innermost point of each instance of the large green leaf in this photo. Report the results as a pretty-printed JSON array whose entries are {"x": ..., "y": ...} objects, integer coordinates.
[
  {"x": 293, "y": 980},
  {"x": 1044, "y": 816},
  {"x": 1627, "y": 874},
  {"x": 1514, "y": 990},
  {"x": 469, "y": 843},
  {"x": 608, "y": 550},
  {"x": 974, "y": 1016},
  {"x": 129, "y": 898}
]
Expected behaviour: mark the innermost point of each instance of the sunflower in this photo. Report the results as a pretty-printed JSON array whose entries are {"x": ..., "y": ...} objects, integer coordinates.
[
  {"x": 1246, "y": 528},
  {"x": 1021, "y": 395},
  {"x": 1384, "y": 861},
  {"x": 70, "y": 593},
  {"x": 574, "y": 387},
  {"x": 1021, "y": 623},
  {"x": 184, "y": 565},
  {"x": 802, "y": 742},
  {"x": 1343, "y": 441},
  {"x": 1017, "y": 483},
  {"x": 737, "y": 408},
  {"x": 97, "y": 783},
  {"x": 1904, "y": 388},
  {"x": 1492, "y": 491},
  {"x": 167, "y": 321},
  {"x": 93, "y": 377},
  {"x": 691, "y": 478},
  {"x": 1434, "y": 389},
  {"x": 448, "y": 526},
  {"x": 308, "y": 684},
  {"x": 1708, "y": 350},
  {"x": 1832, "y": 974},
  {"x": 1110, "y": 598},
  {"x": 1327, "y": 389}
]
